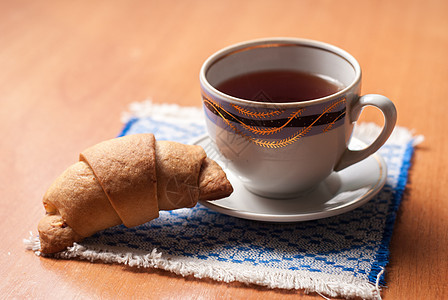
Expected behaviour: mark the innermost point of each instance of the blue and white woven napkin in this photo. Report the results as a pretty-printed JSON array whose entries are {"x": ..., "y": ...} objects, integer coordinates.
[{"x": 343, "y": 256}]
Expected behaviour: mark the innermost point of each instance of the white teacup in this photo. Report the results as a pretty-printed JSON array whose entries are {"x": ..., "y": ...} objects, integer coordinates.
[{"x": 282, "y": 149}]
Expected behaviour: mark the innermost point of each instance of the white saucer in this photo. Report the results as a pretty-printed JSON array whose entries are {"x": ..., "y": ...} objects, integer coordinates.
[{"x": 341, "y": 192}]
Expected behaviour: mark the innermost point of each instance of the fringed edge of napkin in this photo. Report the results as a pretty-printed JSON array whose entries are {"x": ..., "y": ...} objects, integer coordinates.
[
  {"x": 173, "y": 113},
  {"x": 309, "y": 282}
]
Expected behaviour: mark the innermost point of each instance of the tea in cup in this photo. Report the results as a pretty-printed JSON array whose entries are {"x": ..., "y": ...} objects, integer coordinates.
[{"x": 281, "y": 112}]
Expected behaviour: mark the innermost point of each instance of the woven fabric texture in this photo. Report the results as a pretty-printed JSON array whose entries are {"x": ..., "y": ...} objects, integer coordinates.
[{"x": 343, "y": 256}]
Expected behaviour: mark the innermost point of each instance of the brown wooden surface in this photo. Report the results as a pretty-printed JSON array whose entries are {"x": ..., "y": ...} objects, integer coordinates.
[{"x": 69, "y": 68}]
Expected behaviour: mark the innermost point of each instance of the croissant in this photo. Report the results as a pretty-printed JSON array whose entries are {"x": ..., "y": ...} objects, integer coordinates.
[{"x": 126, "y": 180}]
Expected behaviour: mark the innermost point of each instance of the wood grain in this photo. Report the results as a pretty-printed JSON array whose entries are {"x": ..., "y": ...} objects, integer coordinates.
[{"x": 69, "y": 68}]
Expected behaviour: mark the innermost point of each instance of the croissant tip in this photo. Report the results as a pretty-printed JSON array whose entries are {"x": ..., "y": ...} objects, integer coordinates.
[
  {"x": 55, "y": 235},
  {"x": 213, "y": 182}
]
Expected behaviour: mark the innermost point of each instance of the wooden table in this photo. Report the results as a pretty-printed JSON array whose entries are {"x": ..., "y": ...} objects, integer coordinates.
[{"x": 69, "y": 68}]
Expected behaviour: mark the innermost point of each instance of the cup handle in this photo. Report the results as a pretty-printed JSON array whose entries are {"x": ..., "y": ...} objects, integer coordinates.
[{"x": 389, "y": 111}]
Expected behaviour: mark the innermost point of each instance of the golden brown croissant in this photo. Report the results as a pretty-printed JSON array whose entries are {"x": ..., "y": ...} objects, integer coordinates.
[{"x": 126, "y": 180}]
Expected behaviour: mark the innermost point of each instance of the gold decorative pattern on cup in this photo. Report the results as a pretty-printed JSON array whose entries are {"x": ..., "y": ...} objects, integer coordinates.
[{"x": 268, "y": 131}]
